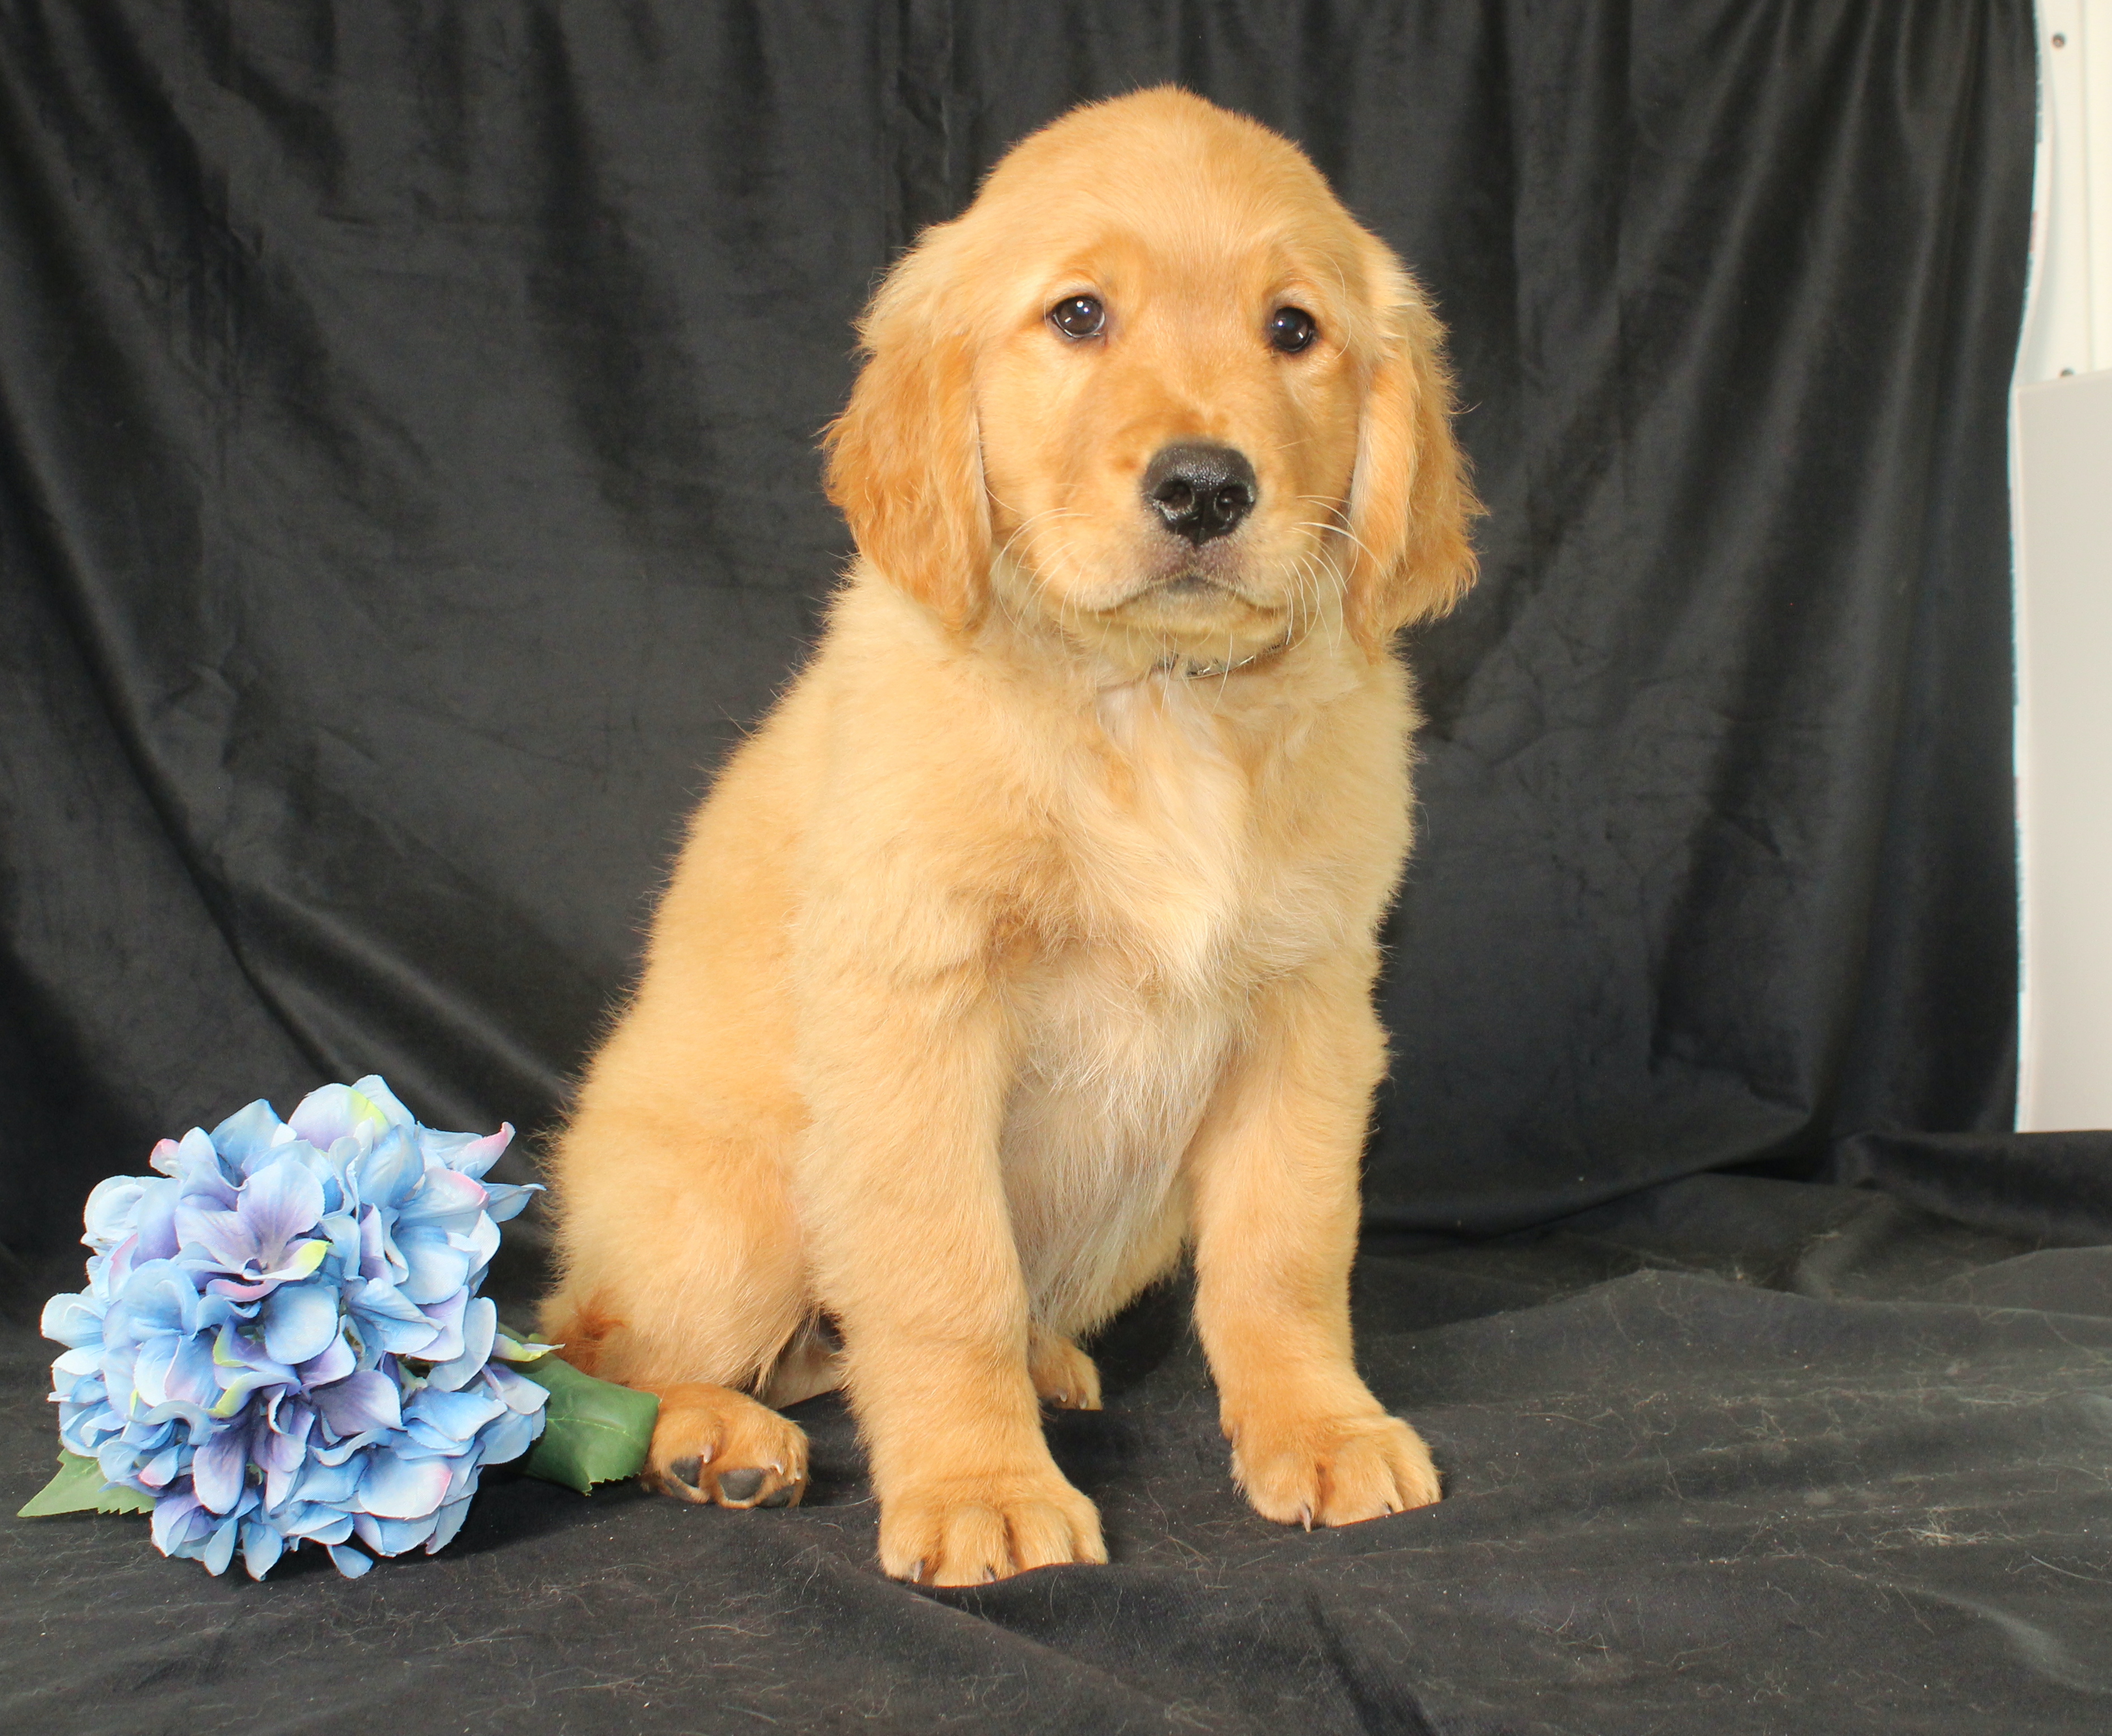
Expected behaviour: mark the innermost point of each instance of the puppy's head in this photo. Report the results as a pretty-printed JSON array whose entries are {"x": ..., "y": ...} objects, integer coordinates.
[{"x": 1158, "y": 390}]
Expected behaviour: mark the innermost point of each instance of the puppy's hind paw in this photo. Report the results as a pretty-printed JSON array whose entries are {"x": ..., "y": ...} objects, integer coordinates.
[
  {"x": 1064, "y": 1374},
  {"x": 713, "y": 1446}
]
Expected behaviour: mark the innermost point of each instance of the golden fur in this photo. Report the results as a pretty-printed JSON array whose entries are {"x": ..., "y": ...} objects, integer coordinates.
[{"x": 1031, "y": 942}]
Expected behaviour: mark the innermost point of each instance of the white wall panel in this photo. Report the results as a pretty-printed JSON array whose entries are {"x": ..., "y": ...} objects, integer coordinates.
[
  {"x": 2064, "y": 748},
  {"x": 2062, "y": 459}
]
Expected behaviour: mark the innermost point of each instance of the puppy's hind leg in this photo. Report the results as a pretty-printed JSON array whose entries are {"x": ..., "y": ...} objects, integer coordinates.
[{"x": 684, "y": 1277}]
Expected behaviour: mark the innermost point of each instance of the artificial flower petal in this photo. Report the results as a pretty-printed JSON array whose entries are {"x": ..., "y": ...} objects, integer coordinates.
[
  {"x": 437, "y": 1270},
  {"x": 507, "y": 1200},
  {"x": 479, "y": 1327},
  {"x": 75, "y": 1320},
  {"x": 337, "y": 1360},
  {"x": 218, "y": 1549},
  {"x": 201, "y": 1172},
  {"x": 279, "y": 1202},
  {"x": 376, "y": 1090},
  {"x": 218, "y": 1234},
  {"x": 447, "y": 1524},
  {"x": 445, "y": 1198},
  {"x": 387, "y": 1175},
  {"x": 154, "y": 1235},
  {"x": 393, "y": 1536},
  {"x": 217, "y": 1469},
  {"x": 452, "y": 1416},
  {"x": 468, "y": 1152},
  {"x": 510, "y": 1437},
  {"x": 173, "y": 1517},
  {"x": 360, "y": 1403},
  {"x": 395, "y": 1488},
  {"x": 519, "y": 1392},
  {"x": 335, "y": 1112},
  {"x": 248, "y": 1132},
  {"x": 300, "y": 1321},
  {"x": 113, "y": 1206},
  {"x": 261, "y": 1546}
]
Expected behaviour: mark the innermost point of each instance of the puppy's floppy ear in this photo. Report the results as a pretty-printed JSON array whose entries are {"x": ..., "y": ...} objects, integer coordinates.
[
  {"x": 904, "y": 461},
  {"x": 1409, "y": 503}
]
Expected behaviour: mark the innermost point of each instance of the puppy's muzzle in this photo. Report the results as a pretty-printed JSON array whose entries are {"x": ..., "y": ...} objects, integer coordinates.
[{"x": 1200, "y": 492}]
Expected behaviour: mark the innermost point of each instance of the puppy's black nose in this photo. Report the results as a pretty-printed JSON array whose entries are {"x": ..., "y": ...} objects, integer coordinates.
[{"x": 1200, "y": 492}]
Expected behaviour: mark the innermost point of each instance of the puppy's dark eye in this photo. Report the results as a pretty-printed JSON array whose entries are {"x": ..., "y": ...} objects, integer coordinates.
[
  {"x": 1079, "y": 316},
  {"x": 1291, "y": 329}
]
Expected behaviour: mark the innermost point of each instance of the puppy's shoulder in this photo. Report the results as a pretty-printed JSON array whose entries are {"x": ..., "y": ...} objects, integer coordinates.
[{"x": 915, "y": 736}]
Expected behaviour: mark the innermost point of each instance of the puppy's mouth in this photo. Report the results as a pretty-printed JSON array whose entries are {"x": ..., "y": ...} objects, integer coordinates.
[
  {"x": 1186, "y": 589},
  {"x": 1208, "y": 593},
  {"x": 1193, "y": 587}
]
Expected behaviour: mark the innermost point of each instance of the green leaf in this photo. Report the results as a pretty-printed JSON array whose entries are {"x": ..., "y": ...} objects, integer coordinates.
[
  {"x": 79, "y": 1488},
  {"x": 594, "y": 1431}
]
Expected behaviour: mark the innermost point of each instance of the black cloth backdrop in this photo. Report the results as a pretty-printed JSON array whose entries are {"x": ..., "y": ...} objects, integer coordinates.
[
  {"x": 407, "y": 492},
  {"x": 412, "y": 490}
]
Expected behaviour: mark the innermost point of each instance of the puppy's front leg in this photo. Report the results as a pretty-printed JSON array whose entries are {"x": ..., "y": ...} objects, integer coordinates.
[
  {"x": 1274, "y": 1174},
  {"x": 913, "y": 1254}
]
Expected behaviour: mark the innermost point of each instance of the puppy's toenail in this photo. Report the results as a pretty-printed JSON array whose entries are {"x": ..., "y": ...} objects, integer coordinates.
[
  {"x": 990, "y": 1576},
  {"x": 1305, "y": 1517},
  {"x": 685, "y": 1470},
  {"x": 740, "y": 1485}
]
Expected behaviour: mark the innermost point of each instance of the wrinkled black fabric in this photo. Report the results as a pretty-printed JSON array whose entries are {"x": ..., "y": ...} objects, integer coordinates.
[
  {"x": 408, "y": 493},
  {"x": 1736, "y": 1455}
]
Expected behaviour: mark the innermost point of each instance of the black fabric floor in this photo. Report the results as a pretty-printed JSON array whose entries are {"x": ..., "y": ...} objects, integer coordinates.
[{"x": 1735, "y": 1455}]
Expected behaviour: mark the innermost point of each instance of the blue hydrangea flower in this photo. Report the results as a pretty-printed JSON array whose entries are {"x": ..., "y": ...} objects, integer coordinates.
[{"x": 281, "y": 1341}]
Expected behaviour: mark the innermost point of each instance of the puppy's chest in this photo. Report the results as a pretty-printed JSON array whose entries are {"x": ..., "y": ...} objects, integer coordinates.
[
  {"x": 1180, "y": 901},
  {"x": 1176, "y": 880}
]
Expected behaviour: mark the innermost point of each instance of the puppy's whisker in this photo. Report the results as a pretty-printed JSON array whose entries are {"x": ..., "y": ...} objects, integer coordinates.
[
  {"x": 1028, "y": 524},
  {"x": 1343, "y": 531},
  {"x": 1305, "y": 600},
  {"x": 1032, "y": 562},
  {"x": 1314, "y": 573}
]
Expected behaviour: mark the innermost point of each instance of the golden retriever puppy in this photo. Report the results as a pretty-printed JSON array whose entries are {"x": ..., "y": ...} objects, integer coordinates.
[{"x": 1031, "y": 942}]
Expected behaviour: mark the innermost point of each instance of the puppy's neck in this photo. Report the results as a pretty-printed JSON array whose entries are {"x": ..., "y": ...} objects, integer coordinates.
[
  {"x": 1180, "y": 665},
  {"x": 1085, "y": 660}
]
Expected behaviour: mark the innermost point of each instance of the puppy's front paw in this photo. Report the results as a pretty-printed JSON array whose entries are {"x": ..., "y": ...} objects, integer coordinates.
[
  {"x": 713, "y": 1445},
  {"x": 970, "y": 1530},
  {"x": 1332, "y": 1470}
]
